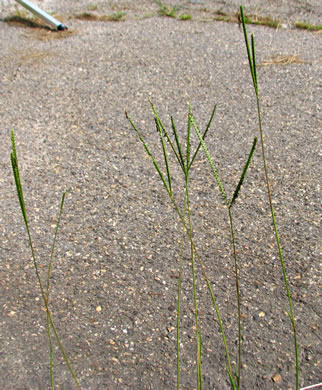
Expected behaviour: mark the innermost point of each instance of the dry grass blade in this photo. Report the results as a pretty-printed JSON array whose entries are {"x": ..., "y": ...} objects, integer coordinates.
[
  {"x": 282, "y": 60},
  {"x": 21, "y": 21},
  {"x": 91, "y": 17},
  {"x": 49, "y": 35},
  {"x": 36, "y": 29}
]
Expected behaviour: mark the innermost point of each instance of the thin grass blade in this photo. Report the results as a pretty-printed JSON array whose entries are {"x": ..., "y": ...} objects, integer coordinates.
[
  {"x": 47, "y": 292},
  {"x": 165, "y": 154},
  {"x": 254, "y": 63},
  {"x": 156, "y": 115},
  {"x": 54, "y": 241},
  {"x": 204, "y": 134},
  {"x": 150, "y": 155},
  {"x": 188, "y": 141},
  {"x": 212, "y": 165},
  {"x": 250, "y": 59},
  {"x": 15, "y": 169},
  {"x": 242, "y": 177},
  {"x": 180, "y": 156}
]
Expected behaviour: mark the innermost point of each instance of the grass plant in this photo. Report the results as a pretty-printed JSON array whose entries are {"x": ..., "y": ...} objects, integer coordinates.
[
  {"x": 22, "y": 13},
  {"x": 116, "y": 16},
  {"x": 229, "y": 205},
  {"x": 261, "y": 20},
  {"x": 282, "y": 60},
  {"x": 165, "y": 10},
  {"x": 308, "y": 26},
  {"x": 44, "y": 293},
  {"x": 185, "y": 17},
  {"x": 185, "y": 159},
  {"x": 31, "y": 22},
  {"x": 267, "y": 21},
  {"x": 252, "y": 65},
  {"x": 89, "y": 16},
  {"x": 184, "y": 155},
  {"x": 92, "y": 7}
]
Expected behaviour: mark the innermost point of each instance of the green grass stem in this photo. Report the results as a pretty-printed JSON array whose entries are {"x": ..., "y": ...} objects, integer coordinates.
[
  {"x": 179, "y": 306},
  {"x": 232, "y": 233},
  {"x": 16, "y": 174},
  {"x": 186, "y": 165},
  {"x": 194, "y": 284},
  {"x": 221, "y": 187},
  {"x": 252, "y": 65},
  {"x": 48, "y": 288}
]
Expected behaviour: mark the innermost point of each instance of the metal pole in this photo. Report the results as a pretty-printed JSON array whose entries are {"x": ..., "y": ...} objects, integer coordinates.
[{"x": 42, "y": 14}]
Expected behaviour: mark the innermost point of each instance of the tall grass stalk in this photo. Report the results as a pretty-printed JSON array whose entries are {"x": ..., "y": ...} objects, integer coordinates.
[
  {"x": 232, "y": 233},
  {"x": 185, "y": 217},
  {"x": 252, "y": 65},
  {"x": 48, "y": 287},
  {"x": 193, "y": 269},
  {"x": 179, "y": 305},
  {"x": 184, "y": 164},
  {"x": 44, "y": 294}
]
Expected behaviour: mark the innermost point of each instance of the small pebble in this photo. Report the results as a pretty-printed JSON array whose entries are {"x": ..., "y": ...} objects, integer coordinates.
[{"x": 277, "y": 378}]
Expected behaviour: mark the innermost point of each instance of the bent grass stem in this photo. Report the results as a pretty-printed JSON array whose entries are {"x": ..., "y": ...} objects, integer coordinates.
[
  {"x": 186, "y": 167},
  {"x": 15, "y": 168},
  {"x": 252, "y": 65}
]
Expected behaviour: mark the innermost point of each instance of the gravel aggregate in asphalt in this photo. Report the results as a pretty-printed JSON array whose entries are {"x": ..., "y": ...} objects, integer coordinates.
[{"x": 114, "y": 278}]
